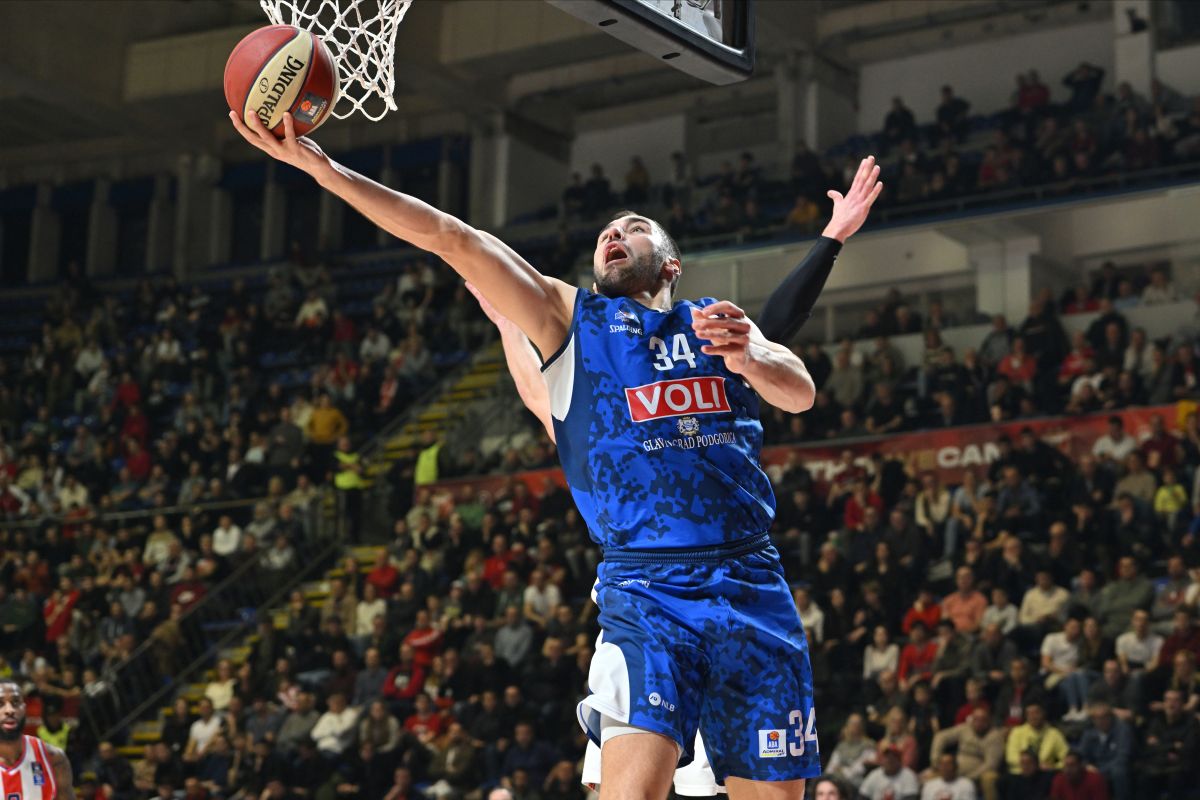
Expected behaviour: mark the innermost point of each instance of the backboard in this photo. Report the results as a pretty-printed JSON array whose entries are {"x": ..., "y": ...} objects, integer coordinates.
[{"x": 711, "y": 39}]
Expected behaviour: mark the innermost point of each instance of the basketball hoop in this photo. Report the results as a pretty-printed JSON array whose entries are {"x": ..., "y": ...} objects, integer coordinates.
[{"x": 362, "y": 36}]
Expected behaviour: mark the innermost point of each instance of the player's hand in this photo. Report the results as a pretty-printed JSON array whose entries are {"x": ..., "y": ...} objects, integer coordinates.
[
  {"x": 850, "y": 211},
  {"x": 725, "y": 326},
  {"x": 300, "y": 152}
]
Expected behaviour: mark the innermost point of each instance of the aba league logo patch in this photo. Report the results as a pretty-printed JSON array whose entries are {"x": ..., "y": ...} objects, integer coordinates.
[{"x": 771, "y": 744}]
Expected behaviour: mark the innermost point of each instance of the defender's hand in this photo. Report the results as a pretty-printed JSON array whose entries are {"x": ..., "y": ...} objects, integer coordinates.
[
  {"x": 300, "y": 152},
  {"x": 850, "y": 211},
  {"x": 725, "y": 326}
]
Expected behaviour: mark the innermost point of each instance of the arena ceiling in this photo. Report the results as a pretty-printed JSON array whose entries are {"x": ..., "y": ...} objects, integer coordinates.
[{"x": 63, "y": 71}]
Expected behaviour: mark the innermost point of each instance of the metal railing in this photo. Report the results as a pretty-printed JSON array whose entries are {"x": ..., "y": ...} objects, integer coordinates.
[{"x": 160, "y": 665}]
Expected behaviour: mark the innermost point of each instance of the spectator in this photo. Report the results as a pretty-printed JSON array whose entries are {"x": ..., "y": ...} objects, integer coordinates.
[
  {"x": 1035, "y": 733},
  {"x": 1107, "y": 745},
  {"x": 335, "y": 729},
  {"x": 1077, "y": 781},
  {"x": 854, "y": 752},
  {"x": 1031, "y": 783},
  {"x": 203, "y": 730},
  {"x": 978, "y": 750},
  {"x": 637, "y": 182},
  {"x": 965, "y": 606},
  {"x": 1169, "y": 752},
  {"x": 948, "y": 785},
  {"x": 1160, "y": 290},
  {"x": 880, "y": 655},
  {"x": 891, "y": 780},
  {"x": 951, "y": 118},
  {"x": 1120, "y": 598}
]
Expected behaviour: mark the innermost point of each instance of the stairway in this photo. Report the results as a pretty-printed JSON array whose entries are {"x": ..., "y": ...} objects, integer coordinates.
[
  {"x": 315, "y": 594},
  {"x": 444, "y": 411}
]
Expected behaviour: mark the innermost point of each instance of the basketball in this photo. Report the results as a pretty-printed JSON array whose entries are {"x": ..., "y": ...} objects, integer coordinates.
[{"x": 282, "y": 68}]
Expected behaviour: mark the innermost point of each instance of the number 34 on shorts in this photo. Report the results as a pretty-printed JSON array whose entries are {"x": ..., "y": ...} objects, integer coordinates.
[{"x": 776, "y": 743}]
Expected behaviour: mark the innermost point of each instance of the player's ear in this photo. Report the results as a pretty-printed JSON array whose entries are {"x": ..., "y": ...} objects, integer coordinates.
[{"x": 673, "y": 269}]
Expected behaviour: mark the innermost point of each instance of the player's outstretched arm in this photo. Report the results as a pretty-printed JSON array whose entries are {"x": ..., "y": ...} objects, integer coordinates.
[
  {"x": 522, "y": 363},
  {"x": 540, "y": 306},
  {"x": 772, "y": 370},
  {"x": 63, "y": 778},
  {"x": 792, "y": 302}
]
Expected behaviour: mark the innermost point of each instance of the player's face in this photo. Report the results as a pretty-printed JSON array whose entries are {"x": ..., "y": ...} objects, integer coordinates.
[
  {"x": 626, "y": 257},
  {"x": 12, "y": 712}
]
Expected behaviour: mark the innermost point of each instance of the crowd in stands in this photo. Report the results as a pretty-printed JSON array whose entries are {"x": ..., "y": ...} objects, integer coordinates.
[
  {"x": 153, "y": 442},
  {"x": 1029, "y": 633},
  {"x": 1015, "y": 371},
  {"x": 1059, "y": 139}
]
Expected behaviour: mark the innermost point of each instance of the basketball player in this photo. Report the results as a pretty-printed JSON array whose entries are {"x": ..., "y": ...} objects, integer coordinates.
[
  {"x": 30, "y": 768},
  {"x": 655, "y": 410},
  {"x": 784, "y": 313}
]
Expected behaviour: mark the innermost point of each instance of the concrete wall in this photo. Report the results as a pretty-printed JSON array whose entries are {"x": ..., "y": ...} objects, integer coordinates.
[
  {"x": 1180, "y": 68},
  {"x": 982, "y": 73},
  {"x": 654, "y": 140}
]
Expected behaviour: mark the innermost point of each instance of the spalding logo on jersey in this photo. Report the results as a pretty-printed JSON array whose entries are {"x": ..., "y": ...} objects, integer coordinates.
[{"x": 676, "y": 398}]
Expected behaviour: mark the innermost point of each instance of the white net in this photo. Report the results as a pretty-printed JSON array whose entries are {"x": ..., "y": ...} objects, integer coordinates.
[{"x": 362, "y": 36}]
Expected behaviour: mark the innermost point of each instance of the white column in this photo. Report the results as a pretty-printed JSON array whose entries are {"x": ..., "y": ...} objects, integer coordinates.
[
  {"x": 159, "y": 225},
  {"x": 487, "y": 171},
  {"x": 1134, "y": 52},
  {"x": 101, "y": 254},
  {"x": 43, "y": 237},
  {"x": 274, "y": 211},
  {"x": 331, "y": 215},
  {"x": 1004, "y": 275},
  {"x": 788, "y": 102}
]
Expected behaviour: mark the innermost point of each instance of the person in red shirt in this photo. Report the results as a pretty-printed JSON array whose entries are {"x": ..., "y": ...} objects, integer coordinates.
[
  {"x": 1161, "y": 448},
  {"x": 923, "y": 610},
  {"x": 496, "y": 564},
  {"x": 856, "y": 505},
  {"x": 1185, "y": 635},
  {"x": 57, "y": 610},
  {"x": 424, "y": 639},
  {"x": 137, "y": 460},
  {"x": 405, "y": 680},
  {"x": 384, "y": 577},
  {"x": 128, "y": 392},
  {"x": 1077, "y": 781},
  {"x": 136, "y": 425},
  {"x": 975, "y": 699},
  {"x": 1077, "y": 361},
  {"x": 1018, "y": 366},
  {"x": 916, "y": 659},
  {"x": 426, "y": 723}
]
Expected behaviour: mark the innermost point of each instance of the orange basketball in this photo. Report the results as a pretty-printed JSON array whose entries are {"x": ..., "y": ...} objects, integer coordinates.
[{"x": 281, "y": 69}]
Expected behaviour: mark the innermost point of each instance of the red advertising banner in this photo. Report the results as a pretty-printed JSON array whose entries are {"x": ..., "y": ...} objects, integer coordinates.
[
  {"x": 948, "y": 451},
  {"x": 951, "y": 450}
]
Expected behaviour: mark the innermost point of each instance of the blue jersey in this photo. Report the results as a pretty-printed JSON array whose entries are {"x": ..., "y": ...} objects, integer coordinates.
[{"x": 659, "y": 442}]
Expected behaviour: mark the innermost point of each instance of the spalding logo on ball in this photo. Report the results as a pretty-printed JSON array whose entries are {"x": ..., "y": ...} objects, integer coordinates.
[{"x": 281, "y": 69}]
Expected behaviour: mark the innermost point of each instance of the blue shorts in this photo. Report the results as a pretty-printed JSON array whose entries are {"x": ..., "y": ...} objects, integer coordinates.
[{"x": 706, "y": 640}]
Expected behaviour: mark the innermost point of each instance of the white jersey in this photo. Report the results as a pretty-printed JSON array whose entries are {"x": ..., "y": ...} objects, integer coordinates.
[{"x": 31, "y": 778}]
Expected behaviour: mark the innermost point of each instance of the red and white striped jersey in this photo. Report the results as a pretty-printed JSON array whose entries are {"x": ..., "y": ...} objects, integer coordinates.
[{"x": 31, "y": 778}]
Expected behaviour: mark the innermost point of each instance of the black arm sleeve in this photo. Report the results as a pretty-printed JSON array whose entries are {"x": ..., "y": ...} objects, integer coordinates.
[{"x": 791, "y": 304}]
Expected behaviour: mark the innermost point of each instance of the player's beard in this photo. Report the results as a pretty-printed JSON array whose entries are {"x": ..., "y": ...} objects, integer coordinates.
[
  {"x": 640, "y": 274},
  {"x": 16, "y": 733}
]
